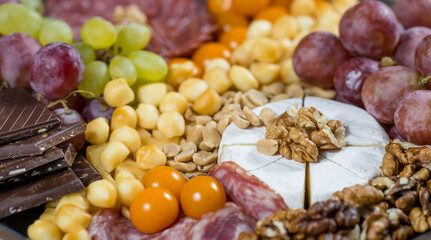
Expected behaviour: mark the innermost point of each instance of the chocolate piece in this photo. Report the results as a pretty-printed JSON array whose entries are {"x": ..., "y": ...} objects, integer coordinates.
[
  {"x": 18, "y": 166},
  {"x": 38, "y": 144},
  {"x": 85, "y": 171},
  {"x": 22, "y": 116},
  {"x": 22, "y": 196},
  {"x": 13, "y": 167},
  {"x": 39, "y": 171}
]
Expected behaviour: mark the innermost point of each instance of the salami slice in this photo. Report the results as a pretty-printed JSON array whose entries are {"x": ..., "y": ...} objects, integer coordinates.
[
  {"x": 224, "y": 224},
  {"x": 179, "y": 26},
  {"x": 257, "y": 198}
]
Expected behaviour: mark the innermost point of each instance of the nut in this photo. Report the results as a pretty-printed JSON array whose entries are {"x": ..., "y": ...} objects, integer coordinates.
[
  {"x": 206, "y": 168},
  {"x": 422, "y": 175},
  {"x": 358, "y": 195},
  {"x": 418, "y": 220},
  {"x": 408, "y": 171},
  {"x": 194, "y": 134},
  {"x": 223, "y": 123},
  {"x": 203, "y": 119},
  {"x": 311, "y": 119},
  {"x": 187, "y": 151},
  {"x": 256, "y": 97},
  {"x": 203, "y": 158},
  {"x": 204, "y": 146},
  {"x": 181, "y": 166},
  {"x": 240, "y": 122},
  {"x": 210, "y": 134},
  {"x": 326, "y": 139},
  {"x": 171, "y": 150},
  {"x": 390, "y": 165},
  {"x": 266, "y": 115},
  {"x": 267, "y": 146},
  {"x": 251, "y": 117},
  {"x": 382, "y": 182}
]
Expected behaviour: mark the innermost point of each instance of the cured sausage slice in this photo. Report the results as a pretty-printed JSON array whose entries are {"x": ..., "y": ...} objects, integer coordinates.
[
  {"x": 179, "y": 26},
  {"x": 224, "y": 224},
  {"x": 257, "y": 198}
]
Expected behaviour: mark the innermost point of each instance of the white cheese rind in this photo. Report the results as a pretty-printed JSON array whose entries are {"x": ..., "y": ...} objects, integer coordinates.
[
  {"x": 327, "y": 177},
  {"x": 336, "y": 169}
]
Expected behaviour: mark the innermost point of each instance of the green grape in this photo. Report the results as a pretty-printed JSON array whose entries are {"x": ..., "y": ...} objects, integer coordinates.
[
  {"x": 133, "y": 37},
  {"x": 150, "y": 66},
  {"x": 55, "y": 31},
  {"x": 122, "y": 67},
  {"x": 19, "y": 18},
  {"x": 95, "y": 78},
  {"x": 86, "y": 51},
  {"x": 99, "y": 33},
  {"x": 34, "y": 4}
]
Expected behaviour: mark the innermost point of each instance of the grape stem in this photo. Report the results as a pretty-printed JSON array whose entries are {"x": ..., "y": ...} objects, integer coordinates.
[
  {"x": 388, "y": 62},
  {"x": 424, "y": 81},
  {"x": 63, "y": 101}
]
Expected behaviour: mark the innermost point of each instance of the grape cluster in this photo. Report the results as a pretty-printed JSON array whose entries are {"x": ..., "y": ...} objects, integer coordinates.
[
  {"x": 391, "y": 90},
  {"x": 39, "y": 52}
]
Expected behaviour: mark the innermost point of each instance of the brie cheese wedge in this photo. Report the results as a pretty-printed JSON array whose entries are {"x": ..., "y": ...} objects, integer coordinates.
[{"x": 354, "y": 164}]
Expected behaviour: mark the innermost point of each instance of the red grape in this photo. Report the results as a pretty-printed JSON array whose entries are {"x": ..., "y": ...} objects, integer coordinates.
[
  {"x": 68, "y": 118},
  {"x": 423, "y": 58},
  {"x": 384, "y": 89},
  {"x": 350, "y": 77},
  {"x": 409, "y": 41},
  {"x": 394, "y": 134},
  {"x": 56, "y": 70},
  {"x": 94, "y": 109},
  {"x": 16, "y": 53},
  {"x": 413, "y": 117},
  {"x": 413, "y": 12},
  {"x": 370, "y": 29},
  {"x": 317, "y": 57}
]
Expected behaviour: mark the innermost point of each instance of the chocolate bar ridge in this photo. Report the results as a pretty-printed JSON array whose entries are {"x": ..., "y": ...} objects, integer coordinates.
[{"x": 22, "y": 116}]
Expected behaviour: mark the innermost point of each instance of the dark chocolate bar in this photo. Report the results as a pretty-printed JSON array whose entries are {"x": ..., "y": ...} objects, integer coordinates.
[
  {"x": 13, "y": 167},
  {"x": 22, "y": 116},
  {"x": 38, "y": 144},
  {"x": 39, "y": 171},
  {"x": 22, "y": 196},
  {"x": 85, "y": 171},
  {"x": 18, "y": 166}
]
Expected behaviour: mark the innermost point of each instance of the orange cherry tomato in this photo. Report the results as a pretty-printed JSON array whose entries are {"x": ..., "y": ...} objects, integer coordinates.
[
  {"x": 209, "y": 51},
  {"x": 234, "y": 37},
  {"x": 217, "y": 7},
  {"x": 228, "y": 20},
  {"x": 153, "y": 210},
  {"x": 249, "y": 7},
  {"x": 166, "y": 177},
  {"x": 271, "y": 13},
  {"x": 200, "y": 195},
  {"x": 197, "y": 71}
]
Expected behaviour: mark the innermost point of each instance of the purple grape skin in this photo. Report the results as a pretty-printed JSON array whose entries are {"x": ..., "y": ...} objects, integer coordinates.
[
  {"x": 317, "y": 57},
  {"x": 68, "y": 118},
  {"x": 409, "y": 41},
  {"x": 413, "y": 12},
  {"x": 56, "y": 70},
  {"x": 383, "y": 90},
  {"x": 93, "y": 110},
  {"x": 395, "y": 134},
  {"x": 423, "y": 57},
  {"x": 370, "y": 29},
  {"x": 350, "y": 77},
  {"x": 16, "y": 53},
  {"x": 413, "y": 117}
]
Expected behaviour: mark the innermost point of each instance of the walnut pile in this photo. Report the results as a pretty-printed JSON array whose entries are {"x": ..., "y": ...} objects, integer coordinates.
[
  {"x": 331, "y": 219},
  {"x": 299, "y": 134},
  {"x": 396, "y": 205}
]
